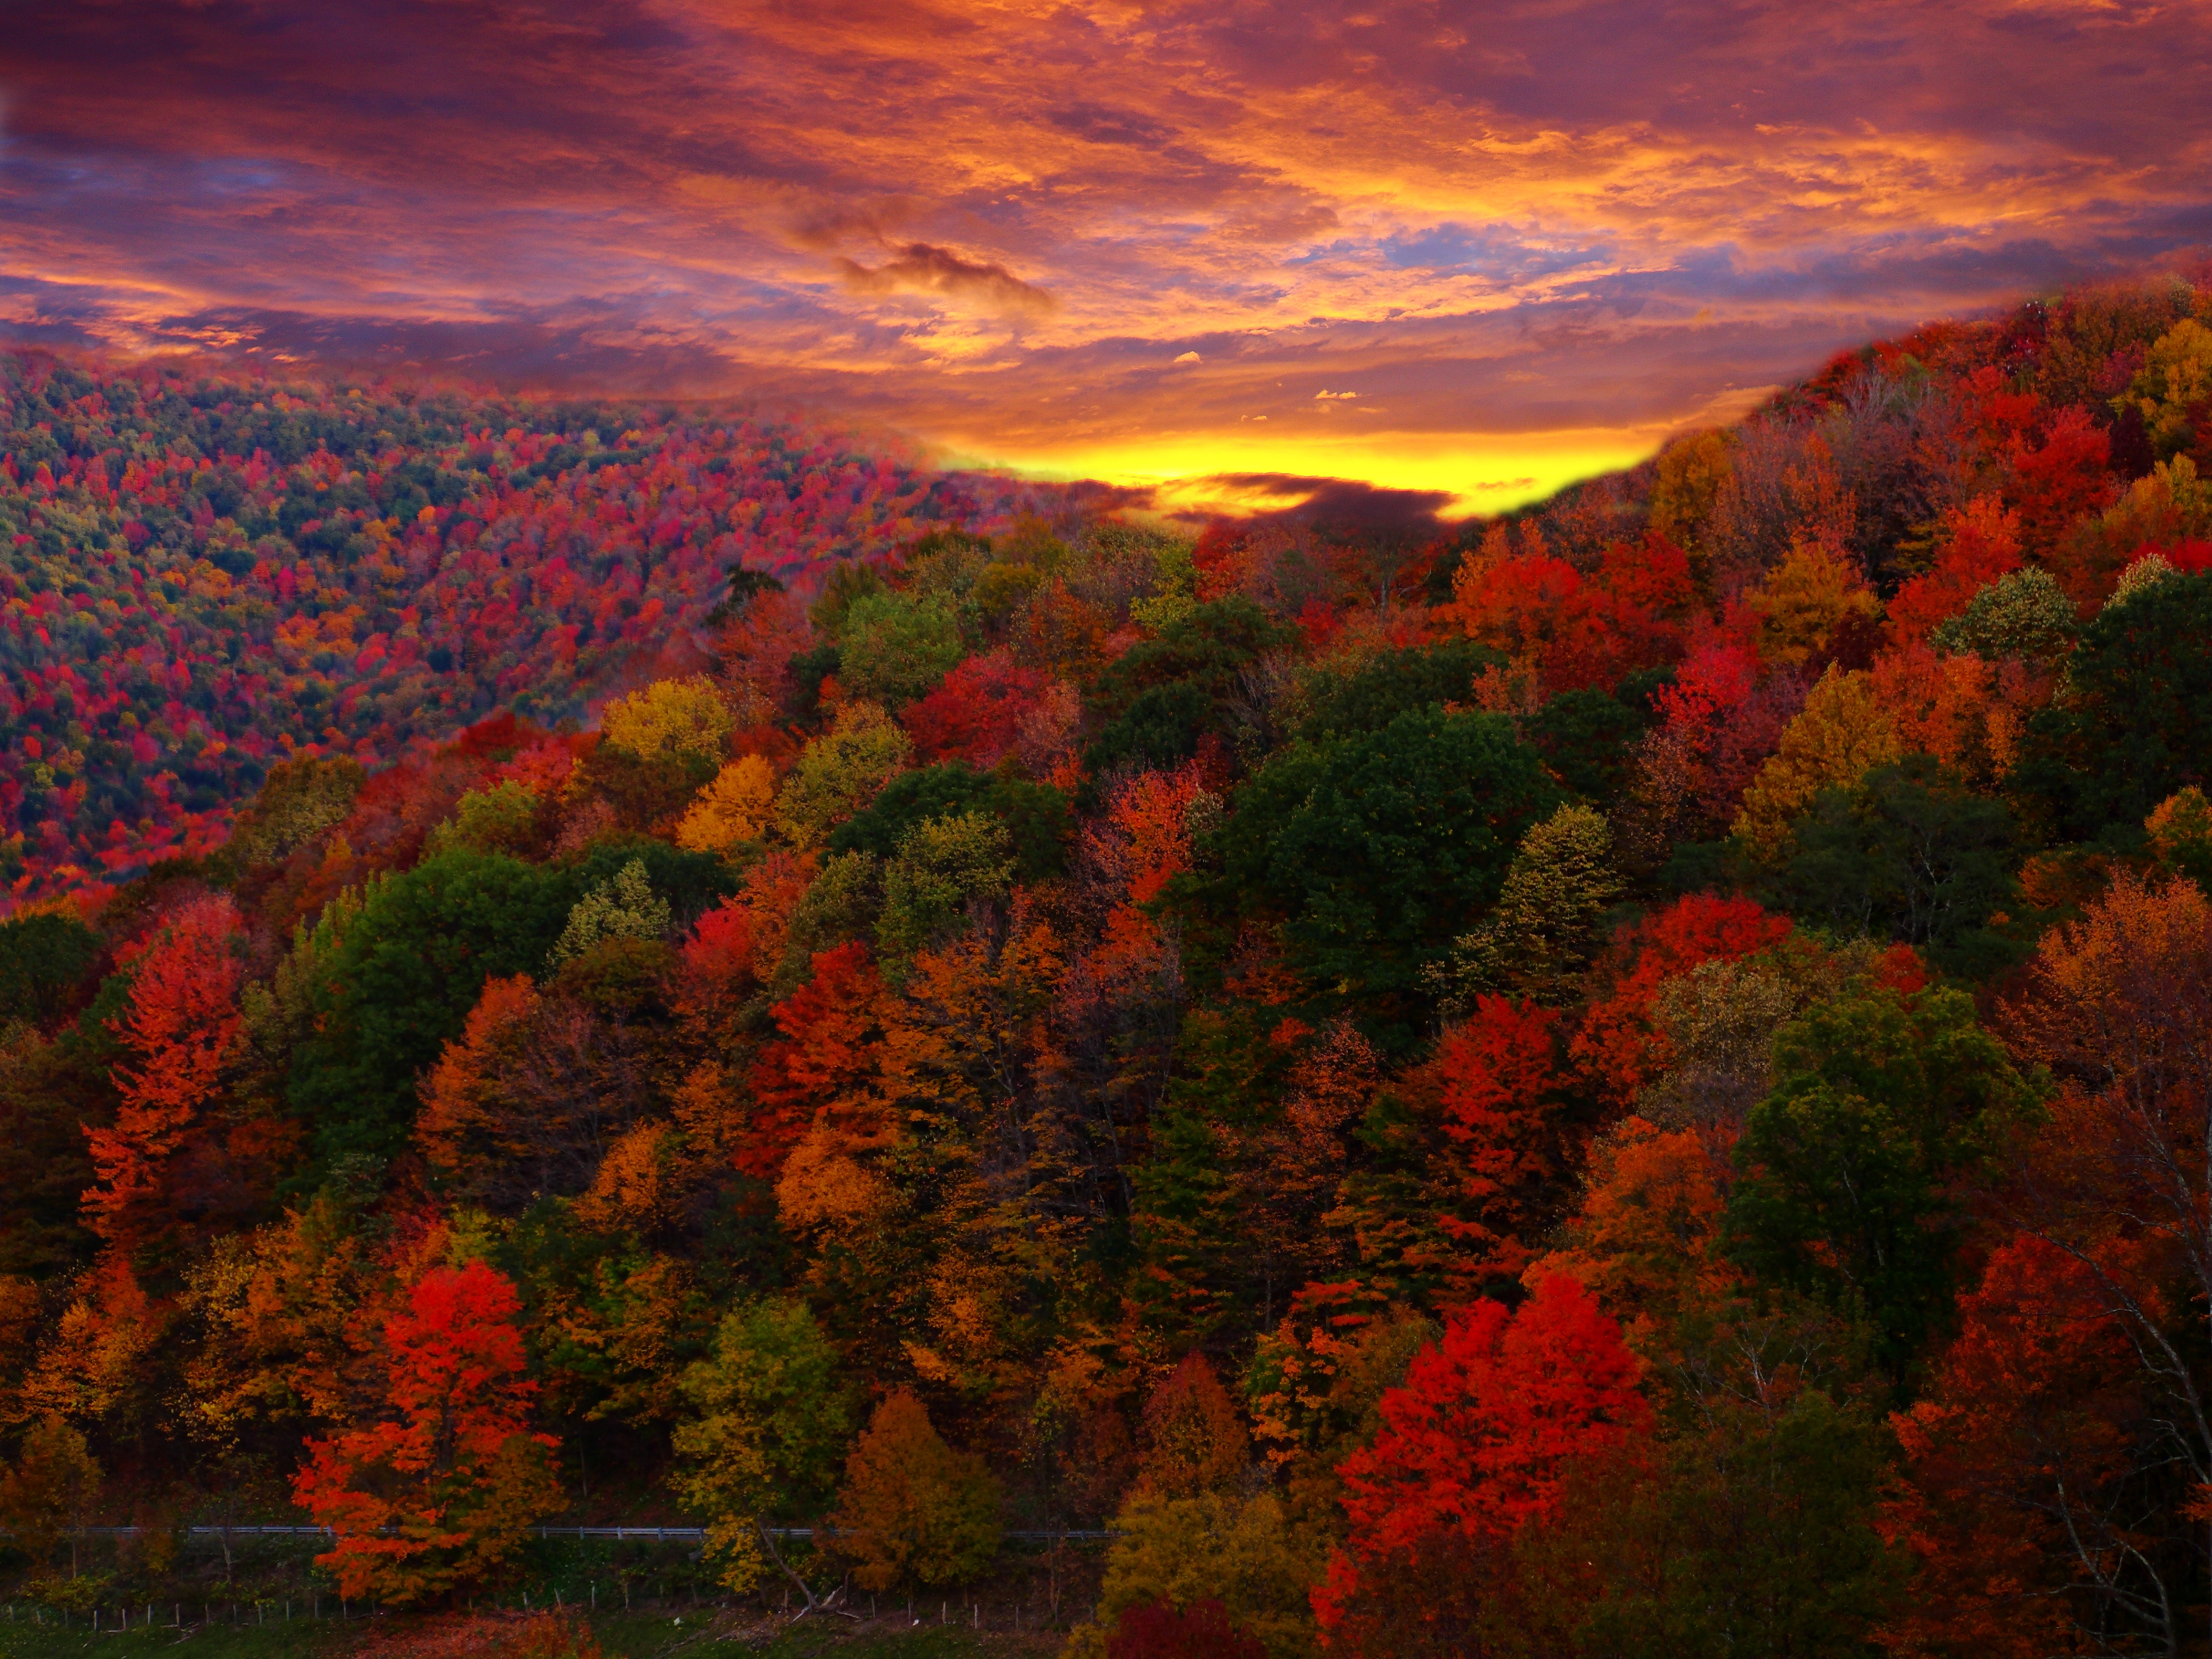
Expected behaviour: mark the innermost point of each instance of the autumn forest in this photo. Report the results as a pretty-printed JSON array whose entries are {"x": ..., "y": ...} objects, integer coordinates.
[{"x": 1629, "y": 1077}]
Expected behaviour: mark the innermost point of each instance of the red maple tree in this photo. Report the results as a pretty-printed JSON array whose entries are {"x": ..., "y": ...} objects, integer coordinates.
[
  {"x": 441, "y": 1489},
  {"x": 1474, "y": 1446},
  {"x": 181, "y": 1030}
]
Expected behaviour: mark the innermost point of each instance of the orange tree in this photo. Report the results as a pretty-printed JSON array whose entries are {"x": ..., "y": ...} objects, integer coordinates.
[{"x": 914, "y": 1510}]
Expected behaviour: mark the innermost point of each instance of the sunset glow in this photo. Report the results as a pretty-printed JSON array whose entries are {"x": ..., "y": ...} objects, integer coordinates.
[{"x": 1469, "y": 251}]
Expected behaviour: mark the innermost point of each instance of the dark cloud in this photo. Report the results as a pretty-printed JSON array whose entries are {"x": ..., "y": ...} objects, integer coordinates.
[
  {"x": 872, "y": 222},
  {"x": 1339, "y": 503},
  {"x": 1101, "y": 125},
  {"x": 919, "y": 268}
]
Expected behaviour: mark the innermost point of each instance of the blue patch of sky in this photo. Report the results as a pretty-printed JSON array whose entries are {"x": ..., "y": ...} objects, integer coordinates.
[{"x": 1502, "y": 250}]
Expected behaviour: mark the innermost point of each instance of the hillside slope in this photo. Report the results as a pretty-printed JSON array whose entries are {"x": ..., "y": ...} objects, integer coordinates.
[
  {"x": 1630, "y": 1080},
  {"x": 199, "y": 576}
]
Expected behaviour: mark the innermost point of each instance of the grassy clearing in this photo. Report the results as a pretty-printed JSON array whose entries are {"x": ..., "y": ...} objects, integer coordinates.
[
  {"x": 26, "y": 1639},
  {"x": 662, "y": 1638},
  {"x": 693, "y": 1634}
]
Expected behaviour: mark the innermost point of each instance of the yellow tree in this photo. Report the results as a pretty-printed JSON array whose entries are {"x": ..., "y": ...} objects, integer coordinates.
[
  {"x": 670, "y": 718},
  {"x": 48, "y": 1494},
  {"x": 2172, "y": 391},
  {"x": 732, "y": 810},
  {"x": 1806, "y": 599},
  {"x": 1840, "y": 734},
  {"x": 766, "y": 1420},
  {"x": 1196, "y": 1442}
]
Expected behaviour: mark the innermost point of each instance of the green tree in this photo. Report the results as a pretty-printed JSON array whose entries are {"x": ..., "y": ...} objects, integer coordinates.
[
  {"x": 1545, "y": 931},
  {"x": 1850, "y": 1168},
  {"x": 400, "y": 984},
  {"x": 1378, "y": 690},
  {"x": 50, "y": 1089},
  {"x": 1207, "y": 649},
  {"x": 850, "y": 580},
  {"x": 2142, "y": 573},
  {"x": 1750, "y": 1531},
  {"x": 1910, "y": 855},
  {"x": 1034, "y": 815},
  {"x": 44, "y": 959},
  {"x": 767, "y": 1421},
  {"x": 745, "y": 586},
  {"x": 1377, "y": 851},
  {"x": 2135, "y": 723},
  {"x": 840, "y": 772},
  {"x": 1585, "y": 737},
  {"x": 1161, "y": 728},
  {"x": 895, "y": 646},
  {"x": 624, "y": 906},
  {"x": 840, "y": 903},
  {"x": 1157, "y": 700},
  {"x": 298, "y": 801},
  {"x": 500, "y": 820},
  {"x": 2023, "y": 613},
  {"x": 692, "y": 881},
  {"x": 941, "y": 865}
]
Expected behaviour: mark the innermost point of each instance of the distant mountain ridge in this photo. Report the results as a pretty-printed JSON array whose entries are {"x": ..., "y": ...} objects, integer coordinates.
[{"x": 200, "y": 574}]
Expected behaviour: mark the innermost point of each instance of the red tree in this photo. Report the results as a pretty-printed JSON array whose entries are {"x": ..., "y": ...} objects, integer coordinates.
[
  {"x": 1631, "y": 617},
  {"x": 974, "y": 713},
  {"x": 1577, "y": 634},
  {"x": 831, "y": 1045},
  {"x": 181, "y": 1028},
  {"x": 1474, "y": 1446},
  {"x": 2058, "y": 483},
  {"x": 2020, "y": 1466},
  {"x": 1983, "y": 546},
  {"x": 1507, "y": 1111},
  {"x": 445, "y": 1487},
  {"x": 1519, "y": 605}
]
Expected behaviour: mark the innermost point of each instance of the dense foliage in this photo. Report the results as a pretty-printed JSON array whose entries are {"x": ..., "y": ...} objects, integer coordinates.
[
  {"x": 202, "y": 576},
  {"x": 1630, "y": 1081}
]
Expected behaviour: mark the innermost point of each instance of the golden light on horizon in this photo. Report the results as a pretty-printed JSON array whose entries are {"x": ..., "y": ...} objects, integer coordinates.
[{"x": 1231, "y": 472}]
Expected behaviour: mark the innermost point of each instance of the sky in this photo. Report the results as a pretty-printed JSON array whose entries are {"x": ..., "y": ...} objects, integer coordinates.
[{"x": 1237, "y": 251}]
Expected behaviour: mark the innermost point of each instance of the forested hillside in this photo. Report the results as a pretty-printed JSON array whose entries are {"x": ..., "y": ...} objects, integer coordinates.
[
  {"x": 205, "y": 575},
  {"x": 1632, "y": 1081}
]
